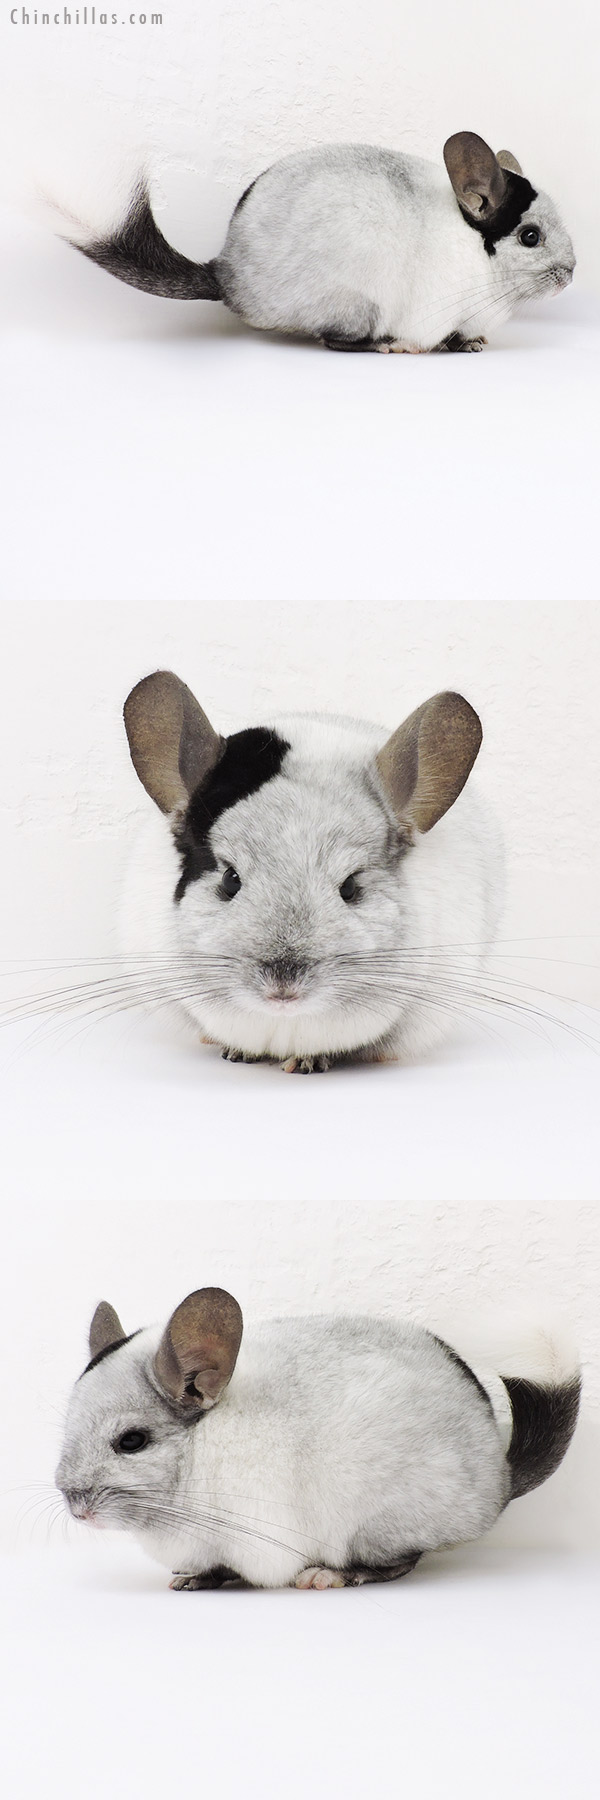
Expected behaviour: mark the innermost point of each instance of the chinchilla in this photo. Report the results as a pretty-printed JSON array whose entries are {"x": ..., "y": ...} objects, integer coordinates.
[
  {"x": 365, "y": 248},
  {"x": 312, "y": 1452},
  {"x": 315, "y": 889}
]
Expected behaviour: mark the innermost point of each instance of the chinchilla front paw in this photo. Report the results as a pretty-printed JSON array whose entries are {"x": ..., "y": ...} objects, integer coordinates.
[
  {"x": 192, "y": 1584},
  {"x": 306, "y": 1065}
]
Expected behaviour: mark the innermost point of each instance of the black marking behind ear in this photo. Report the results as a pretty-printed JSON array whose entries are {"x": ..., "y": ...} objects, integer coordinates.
[
  {"x": 108, "y": 1351},
  {"x": 519, "y": 196},
  {"x": 250, "y": 758}
]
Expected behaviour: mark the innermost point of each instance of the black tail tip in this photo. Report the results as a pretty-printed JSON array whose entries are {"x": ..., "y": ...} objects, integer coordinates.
[{"x": 544, "y": 1420}]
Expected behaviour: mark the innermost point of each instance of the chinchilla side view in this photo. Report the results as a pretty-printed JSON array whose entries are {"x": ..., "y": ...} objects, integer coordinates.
[
  {"x": 312, "y": 882},
  {"x": 364, "y": 248},
  {"x": 309, "y": 1452}
]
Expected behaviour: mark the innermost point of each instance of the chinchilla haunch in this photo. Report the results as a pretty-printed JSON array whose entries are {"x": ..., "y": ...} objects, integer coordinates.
[
  {"x": 314, "y": 882},
  {"x": 365, "y": 248},
  {"x": 313, "y": 1452}
]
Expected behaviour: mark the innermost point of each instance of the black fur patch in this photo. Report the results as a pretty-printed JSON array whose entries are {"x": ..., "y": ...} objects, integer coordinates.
[
  {"x": 358, "y": 1572},
  {"x": 544, "y": 1420},
  {"x": 333, "y": 342},
  {"x": 460, "y": 1364},
  {"x": 249, "y": 759},
  {"x": 138, "y": 254},
  {"x": 108, "y": 1350},
  {"x": 518, "y": 198},
  {"x": 243, "y": 197}
]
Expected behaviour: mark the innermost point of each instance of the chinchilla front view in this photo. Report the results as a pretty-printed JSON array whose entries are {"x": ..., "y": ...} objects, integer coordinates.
[
  {"x": 311, "y": 1452},
  {"x": 313, "y": 882}
]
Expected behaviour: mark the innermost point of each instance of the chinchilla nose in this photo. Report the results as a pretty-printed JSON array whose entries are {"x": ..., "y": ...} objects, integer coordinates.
[
  {"x": 79, "y": 1501},
  {"x": 283, "y": 975}
]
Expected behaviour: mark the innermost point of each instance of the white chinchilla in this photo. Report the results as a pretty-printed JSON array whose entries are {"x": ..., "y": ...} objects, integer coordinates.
[
  {"x": 314, "y": 882},
  {"x": 366, "y": 248},
  {"x": 317, "y": 1452}
]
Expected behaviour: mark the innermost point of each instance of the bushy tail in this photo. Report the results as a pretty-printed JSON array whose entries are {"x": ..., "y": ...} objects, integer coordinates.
[
  {"x": 537, "y": 1370},
  {"x": 138, "y": 253}
]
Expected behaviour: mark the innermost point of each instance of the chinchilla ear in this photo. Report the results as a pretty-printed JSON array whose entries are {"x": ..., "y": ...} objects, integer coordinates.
[
  {"x": 425, "y": 763},
  {"x": 173, "y": 745},
  {"x": 507, "y": 161},
  {"x": 105, "y": 1329},
  {"x": 477, "y": 178},
  {"x": 198, "y": 1350}
]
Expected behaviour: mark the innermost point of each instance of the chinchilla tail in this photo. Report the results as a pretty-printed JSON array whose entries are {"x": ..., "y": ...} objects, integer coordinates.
[
  {"x": 543, "y": 1383},
  {"x": 137, "y": 253},
  {"x": 531, "y": 1375}
]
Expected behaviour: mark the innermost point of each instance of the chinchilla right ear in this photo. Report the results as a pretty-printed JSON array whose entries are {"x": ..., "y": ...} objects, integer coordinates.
[
  {"x": 198, "y": 1350},
  {"x": 173, "y": 745},
  {"x": 425, "y": 763}
]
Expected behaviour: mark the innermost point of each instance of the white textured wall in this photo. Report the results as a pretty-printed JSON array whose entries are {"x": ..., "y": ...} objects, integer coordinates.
[{"x": 222, "y": 89}]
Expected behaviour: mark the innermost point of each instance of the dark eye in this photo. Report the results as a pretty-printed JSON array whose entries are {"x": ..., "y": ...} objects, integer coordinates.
[
  {"x": 350, "y": 889},
  {"x": 230, "y": 883},
  {"x": 529, "y": 236},
  {"x": 132, "y": 1441}
]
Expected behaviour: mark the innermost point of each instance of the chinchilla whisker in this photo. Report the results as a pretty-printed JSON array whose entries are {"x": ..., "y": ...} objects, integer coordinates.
[
  {"x": 181, "y": 1519},
  {"x": 456, "y": 997},
  {"x": 228, "y": 1512},
  {"x": 475, "y": 296}
]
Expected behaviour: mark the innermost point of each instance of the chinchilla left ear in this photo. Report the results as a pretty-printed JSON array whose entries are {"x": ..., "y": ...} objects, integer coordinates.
[
  {"x": 477, "y": 177},
  {"x": 105, "y": 1329},
  {"x": 199, "y": 1347},
  {"x": 425, "y": 763}
]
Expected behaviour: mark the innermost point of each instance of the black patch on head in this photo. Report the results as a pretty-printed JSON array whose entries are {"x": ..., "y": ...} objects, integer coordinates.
[
  {"x": 250, "y": 758},
  {"x": 544, "y": 1419},
  {"x": 107, "y": 1351},
  {"x": 517, "y": 200},
  {"x": 243, "y": 197},
  {"x": 460, "y": 1364}
]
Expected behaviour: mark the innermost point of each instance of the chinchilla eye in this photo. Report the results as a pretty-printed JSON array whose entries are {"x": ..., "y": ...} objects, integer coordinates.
[
  {"x": 230, "y": 883},
  {"x": 530, "y": 236},
  {"x": 349, "y": 888},
  {"x": 130, "y": 1441}
]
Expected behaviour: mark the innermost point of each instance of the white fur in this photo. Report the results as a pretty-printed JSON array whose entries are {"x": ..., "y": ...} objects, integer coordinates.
[{"x": 385, "y": 974}]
